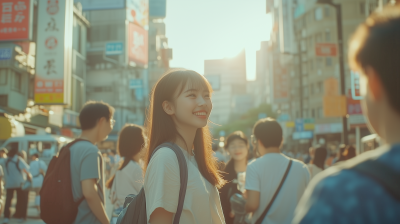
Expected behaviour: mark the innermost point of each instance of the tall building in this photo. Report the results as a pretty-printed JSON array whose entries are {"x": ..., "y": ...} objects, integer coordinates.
[
  {"x": 228, "y": 97},
  {"x": 42, "y": 78}
]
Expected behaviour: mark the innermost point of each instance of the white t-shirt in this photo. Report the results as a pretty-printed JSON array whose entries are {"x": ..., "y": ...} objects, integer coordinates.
[
  {"x": 127, "y": 181},
  {"x": 314, "y": 170},
  {"x": 162, "y": 183},
  {"x": 265, "y": 174}
]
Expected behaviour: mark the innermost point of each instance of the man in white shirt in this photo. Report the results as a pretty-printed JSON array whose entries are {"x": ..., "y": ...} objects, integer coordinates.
[{"x": 264, "y": 175}]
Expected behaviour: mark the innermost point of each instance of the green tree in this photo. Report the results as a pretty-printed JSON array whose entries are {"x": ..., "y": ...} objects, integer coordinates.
[{"x": 246, "y": 121}]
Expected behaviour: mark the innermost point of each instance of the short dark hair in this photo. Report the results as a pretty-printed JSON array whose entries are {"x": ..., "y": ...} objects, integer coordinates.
[
  {"x": 92, "y": 112},
  {"x": 376, "y": 43},
  {"x": 269, "y": 132},
  {"x": 235, "y": 135}
]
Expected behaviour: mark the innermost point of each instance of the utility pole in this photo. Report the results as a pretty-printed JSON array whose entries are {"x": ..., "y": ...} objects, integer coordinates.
[{"x": 338, "y": 7}]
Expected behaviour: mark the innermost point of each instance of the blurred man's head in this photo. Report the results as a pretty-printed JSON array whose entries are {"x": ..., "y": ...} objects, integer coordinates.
[
  {"x": 267, "y": 134},
  {"x": 375, "y": 54},
  {"x": 97, "y": 117}
]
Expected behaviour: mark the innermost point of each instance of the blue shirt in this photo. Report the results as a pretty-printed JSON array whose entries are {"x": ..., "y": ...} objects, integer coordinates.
[
  {"x": 346, "y": 196},
  {"x": 14, "y": 177}
]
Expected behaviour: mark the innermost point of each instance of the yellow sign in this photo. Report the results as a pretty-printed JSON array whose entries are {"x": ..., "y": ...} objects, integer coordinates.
[
  {"x": 331, "y": 87},
  {"x": 309, "y": 126},
  {"x": 335, "y": 106},
  {"x": 6, "y": 128},
  {"x": 49, "y": 98},
  {"x": 290, "y": 124}
]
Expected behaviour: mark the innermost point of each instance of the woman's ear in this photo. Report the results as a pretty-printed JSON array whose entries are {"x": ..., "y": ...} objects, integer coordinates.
[{"x": 168, "y": 108}]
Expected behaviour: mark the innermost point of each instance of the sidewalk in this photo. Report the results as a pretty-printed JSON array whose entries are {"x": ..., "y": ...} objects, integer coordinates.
[{"x": 33, "y": 214}]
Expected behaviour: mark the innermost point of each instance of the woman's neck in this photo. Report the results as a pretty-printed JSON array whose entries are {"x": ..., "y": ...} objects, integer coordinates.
[
  {"x": 240, "y": 165},
  {"x": 188, "y": 135}
]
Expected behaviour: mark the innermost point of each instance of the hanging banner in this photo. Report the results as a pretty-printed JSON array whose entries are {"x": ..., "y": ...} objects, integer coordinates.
[
  {"x": 16, "y": 20},
  {"x": 138, "y": 12},
  {"x": 54, "y": 52}
]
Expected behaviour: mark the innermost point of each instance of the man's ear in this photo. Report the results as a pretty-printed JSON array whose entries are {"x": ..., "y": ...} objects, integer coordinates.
[
  {"x": 374, "y": 84},
  {"x": 101, "y": 121},
  {"x": 168, "y": 107}
]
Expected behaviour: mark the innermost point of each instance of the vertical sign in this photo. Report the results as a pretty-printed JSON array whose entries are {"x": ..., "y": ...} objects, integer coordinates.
[
  {"x": 138, "y": 12},
  {"x": 54, "y": 52},
  {"x": 281, "y": 82},
  {"x": 138, "y": 47},
  {"x": 286, "y": 27},
  {"x": 15, "y": 20}
]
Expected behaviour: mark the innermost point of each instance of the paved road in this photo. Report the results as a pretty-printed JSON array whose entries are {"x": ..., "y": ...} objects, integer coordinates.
[{"x": 33, "y": 215}]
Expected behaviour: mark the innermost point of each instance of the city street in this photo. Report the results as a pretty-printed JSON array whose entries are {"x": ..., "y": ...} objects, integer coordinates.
[{"x": 33, "y": 215}]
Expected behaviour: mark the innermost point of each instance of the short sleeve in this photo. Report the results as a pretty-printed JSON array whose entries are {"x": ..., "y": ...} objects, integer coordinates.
[
  {"x": 90, "y": 167},
  {"x": 162, "y": 182},
  {"x": 252, "y": 180}
]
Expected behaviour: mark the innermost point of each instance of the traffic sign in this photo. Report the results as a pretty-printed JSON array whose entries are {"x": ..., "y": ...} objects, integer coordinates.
[
  {"x": 114, "y": 48},
  {"x": 135, "y": 83}
]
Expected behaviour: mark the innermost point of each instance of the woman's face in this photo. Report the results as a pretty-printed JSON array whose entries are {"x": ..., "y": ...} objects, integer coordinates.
[
  {"x": 238, "y": 149},
  {"x": 192, "y": 107}
]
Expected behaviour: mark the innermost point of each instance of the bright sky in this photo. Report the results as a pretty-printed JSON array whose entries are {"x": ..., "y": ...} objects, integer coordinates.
[{"x": 215, "y": 29}]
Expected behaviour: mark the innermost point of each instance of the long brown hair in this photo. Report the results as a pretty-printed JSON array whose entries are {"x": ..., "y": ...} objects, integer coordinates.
[
  {"x": 161, "y": 128},
  {"x": 130, "y": 142}
]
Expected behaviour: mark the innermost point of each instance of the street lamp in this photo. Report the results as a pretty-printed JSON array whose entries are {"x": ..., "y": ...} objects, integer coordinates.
[{"x": 338, "y": 8}]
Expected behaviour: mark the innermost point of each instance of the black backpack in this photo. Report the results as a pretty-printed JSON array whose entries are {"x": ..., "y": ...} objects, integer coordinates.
[
  {"x": 57, "y": 203},
  {"x": 135, "y": 205}
]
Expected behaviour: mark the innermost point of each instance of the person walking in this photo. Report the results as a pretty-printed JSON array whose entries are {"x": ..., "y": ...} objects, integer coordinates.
[
  {"x": 87, "y": 171},
  {"x": 129, "y": 177},
  {"x": 238, "y": 147},
  {"x": 17, "y": 173},
  {"x": 179, "y": 110},
  {"x": 274, "y": 182},
  {"x": 38, "y": 170},
  {"x": 317, "y": 164},
  {"x": 365, "y": 189}
]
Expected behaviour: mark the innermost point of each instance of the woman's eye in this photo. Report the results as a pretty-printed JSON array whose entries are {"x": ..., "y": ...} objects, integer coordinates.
[{"x": 192, "y": 95}]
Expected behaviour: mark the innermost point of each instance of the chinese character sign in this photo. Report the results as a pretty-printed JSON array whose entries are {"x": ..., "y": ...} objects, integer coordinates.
[
  {"x": 51, "y": 54},
  {"x": 15, "y": 16},
  {"x": 138, "y": 47}
]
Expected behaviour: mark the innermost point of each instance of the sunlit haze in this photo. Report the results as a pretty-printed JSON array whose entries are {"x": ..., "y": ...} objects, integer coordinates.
[{"x": 215, "y": 29}]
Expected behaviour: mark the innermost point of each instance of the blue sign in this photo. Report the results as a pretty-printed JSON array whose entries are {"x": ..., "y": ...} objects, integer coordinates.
[
  {"x": 135, "y": 84},
  {"x": 303, "y": 135},
  {"x": 101, "y": 5},
  {"x": 158, "y": 8},
  {"x": 299, "y": 125},
  {"x": 139, "y": 94},
  {"x": 5, "y": 53},
  {"x": 262, "y": 115},
  {"x": 222, "y": 133},
  {"x": 114, "y": 48},
  {"x": 283, "y": 117}
]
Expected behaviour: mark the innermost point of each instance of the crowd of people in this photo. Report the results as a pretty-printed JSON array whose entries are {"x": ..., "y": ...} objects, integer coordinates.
[{"x": 273, "y": 187}]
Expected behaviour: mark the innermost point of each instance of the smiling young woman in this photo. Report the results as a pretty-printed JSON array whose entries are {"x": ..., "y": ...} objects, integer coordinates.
[{"x": 179, "y": 110}]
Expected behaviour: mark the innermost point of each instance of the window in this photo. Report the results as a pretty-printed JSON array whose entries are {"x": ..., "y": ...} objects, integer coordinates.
[
  {"x": 320, "y": 87},
  {"x": 327, "y": 35},
  {"x": 4, "y": 100},
  {"x": 17, "y": 81},
  {"x": 311, "y": 64},
  {"x": 319, "y": 62},
  {"x": 305, "y": 91},
  {"x": 328, "y": 61},
  {"x": 3, "y": 76},
  {"x": 311, "y": 89},
  {"x": 327, "y": 11},
  {"x": 318, "y": 14},
  {"x": 313, "y": 113},
  {"x": 320, "y": 112}
]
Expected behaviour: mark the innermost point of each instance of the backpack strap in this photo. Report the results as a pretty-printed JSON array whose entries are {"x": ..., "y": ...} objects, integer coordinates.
[
  {"x": 183, "y": 176},
  {"x": 16, "y": 164},
  {"x": 262, "y": 216},
  {"x": 388, "y": 178}
]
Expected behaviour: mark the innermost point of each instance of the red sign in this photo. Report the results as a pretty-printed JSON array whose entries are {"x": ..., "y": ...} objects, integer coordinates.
[
  {"x": 14, "y": 20},
  {"x": 138, "y": 49},
  {"x": 325, "y": 49},
  {"x": 353, "y": 106}
]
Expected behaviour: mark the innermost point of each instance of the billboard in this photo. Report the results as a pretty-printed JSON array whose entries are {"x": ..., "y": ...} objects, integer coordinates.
[
  {"x": 138, "y": 12},
  {"x": 158, "y": 8},
  {"x": 101, "y": 4},
  {"x": 54, "y": 52},
  {"x": 286, "y": 27},
  {"x": 15, "y": 20},
  {"x": 325, "y": 49},
  {"x": 137, "y": 46}
]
